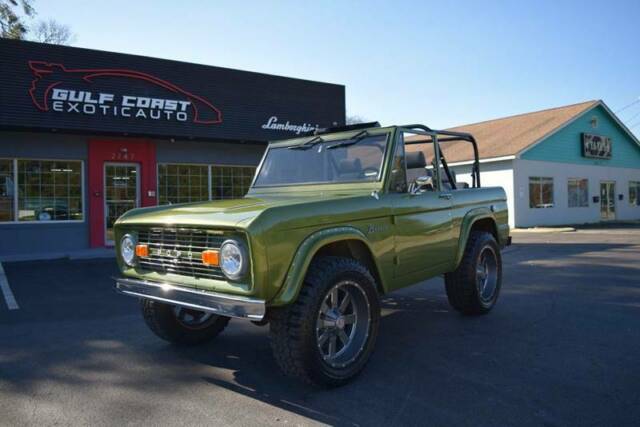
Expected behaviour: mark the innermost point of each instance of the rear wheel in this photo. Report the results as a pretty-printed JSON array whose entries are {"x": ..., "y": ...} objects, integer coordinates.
[
  {"x": 180, "y": 325},
  {"x": 474, "y": 287},
  {"x": 328, "y": 334}
]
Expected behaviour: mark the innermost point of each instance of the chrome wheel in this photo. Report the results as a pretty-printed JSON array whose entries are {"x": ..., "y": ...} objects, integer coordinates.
[
  {"x": 193, "y": 319},
  {"x": 343, "y": 324},
  {"x": 487, "y": 273}
]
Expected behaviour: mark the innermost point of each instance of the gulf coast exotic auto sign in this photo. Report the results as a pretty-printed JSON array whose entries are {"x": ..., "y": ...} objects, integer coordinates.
[
  {"x": 56, "y": 88},
  {"x": 64, "y": 89}
]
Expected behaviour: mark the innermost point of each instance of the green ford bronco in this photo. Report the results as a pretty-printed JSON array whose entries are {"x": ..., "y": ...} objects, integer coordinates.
[{"x": 332, "y": 222}]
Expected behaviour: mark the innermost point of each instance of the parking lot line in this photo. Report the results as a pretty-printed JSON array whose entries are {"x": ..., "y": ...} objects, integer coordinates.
[{"x": 12, "y": 304}]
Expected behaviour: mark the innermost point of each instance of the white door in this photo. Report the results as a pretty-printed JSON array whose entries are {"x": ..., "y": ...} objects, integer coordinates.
[
  {"x": 607, "y": 200},
  {"x": 121, "y": 193}
]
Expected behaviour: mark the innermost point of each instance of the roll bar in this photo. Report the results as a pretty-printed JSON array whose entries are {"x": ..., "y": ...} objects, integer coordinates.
[{"x": 448, "y": 136}]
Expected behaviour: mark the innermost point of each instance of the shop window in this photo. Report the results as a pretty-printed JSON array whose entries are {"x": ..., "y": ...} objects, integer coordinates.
[
  {"x": 49, "y": 190},
  {"x": 231, "y": 182},
  {"x": 7, "y": 191},
  {"x": 178, "y": 183},
  {"x": 578, "y": 190},
  {"x": 540, "y": 192},
  {"x": 634, "y": 193}
]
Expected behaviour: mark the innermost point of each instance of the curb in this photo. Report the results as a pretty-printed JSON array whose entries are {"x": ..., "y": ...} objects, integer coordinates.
[{"x": 543, "y": 230}]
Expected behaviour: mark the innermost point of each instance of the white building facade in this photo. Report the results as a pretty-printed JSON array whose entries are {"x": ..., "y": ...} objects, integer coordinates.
[{"x": 585, "y": 169}]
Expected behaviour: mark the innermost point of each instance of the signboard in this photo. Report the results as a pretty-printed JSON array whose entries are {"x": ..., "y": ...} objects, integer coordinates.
[
  {"x": 62, "y": 88},
  {"x": 596, "y": 146}
]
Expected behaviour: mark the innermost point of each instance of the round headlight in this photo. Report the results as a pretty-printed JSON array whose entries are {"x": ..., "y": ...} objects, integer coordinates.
[
  {"x": 232, "y": 259},
  {"x": 128, "y": 249}
]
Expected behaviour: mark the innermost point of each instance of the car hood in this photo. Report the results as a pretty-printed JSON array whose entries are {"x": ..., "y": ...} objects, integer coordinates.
[{"x": 224, "y": 213}]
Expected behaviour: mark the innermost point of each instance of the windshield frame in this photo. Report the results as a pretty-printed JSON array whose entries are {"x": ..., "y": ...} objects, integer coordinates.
[{"x": 329, "y": 138}]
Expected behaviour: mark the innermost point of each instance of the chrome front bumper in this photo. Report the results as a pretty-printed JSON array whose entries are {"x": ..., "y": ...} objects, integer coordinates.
[{"x": 212, "y": 302}]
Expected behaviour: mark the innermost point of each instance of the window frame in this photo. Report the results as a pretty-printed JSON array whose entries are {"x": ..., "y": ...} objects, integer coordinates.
[
  {"x": 232, "y": 166},
  {"x": 635, "y": 184},
  {"x": 569, "y": 197},
  {"x": 379, "y": 179},
  {"x": 540, "y": 183},
  {"x": 209, "y": 167},
  {"x": 83, "y": 189}
]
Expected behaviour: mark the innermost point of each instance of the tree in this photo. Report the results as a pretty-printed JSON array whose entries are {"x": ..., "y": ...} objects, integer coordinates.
[
  {"x": 352, "y": 119},
  {"x": 12, "y": 25},
  {"x": 52, "y": 32}
]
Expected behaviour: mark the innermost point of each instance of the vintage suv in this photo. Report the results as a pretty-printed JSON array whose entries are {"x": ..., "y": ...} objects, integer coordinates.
[{"x": 332, "y": 222}]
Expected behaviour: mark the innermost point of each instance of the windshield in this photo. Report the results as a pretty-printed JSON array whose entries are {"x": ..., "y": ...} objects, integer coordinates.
[{"x": 322, "y": 162}]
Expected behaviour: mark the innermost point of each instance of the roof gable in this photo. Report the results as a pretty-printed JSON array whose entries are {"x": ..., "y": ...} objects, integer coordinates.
[
  {"x": 565, "y": 144},
  {"x": 510, "y": 136}
]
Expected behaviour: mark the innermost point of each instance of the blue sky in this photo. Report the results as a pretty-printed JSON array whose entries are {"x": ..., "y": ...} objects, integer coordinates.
[{"x": 440, "y": 63}]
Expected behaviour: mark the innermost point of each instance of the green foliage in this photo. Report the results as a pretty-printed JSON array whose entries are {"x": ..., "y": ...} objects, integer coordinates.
[{"x": 12, "y": 13}]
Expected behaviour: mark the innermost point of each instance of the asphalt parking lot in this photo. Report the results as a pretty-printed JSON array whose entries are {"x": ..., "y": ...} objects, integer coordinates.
[{"x": 560, "y": 348}]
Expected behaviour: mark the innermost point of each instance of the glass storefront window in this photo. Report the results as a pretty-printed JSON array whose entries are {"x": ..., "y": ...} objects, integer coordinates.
[
  {"x": 231, "y": 182},
  {"x": 578, "y": 190},
  {"x": 49, "y": 190},
  {"x": 182, "y": 183},
  {"x": 190, "y": 183},
  {"x": 540, "y": 192},
  {"x": 7, "y": 189}
]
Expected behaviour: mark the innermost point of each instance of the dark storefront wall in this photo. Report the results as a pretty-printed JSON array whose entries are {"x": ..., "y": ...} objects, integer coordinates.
[
  {"x": 122, "y": 118},
  {"x": 81, "y": 90},
  {"x": 53, "y": 238},
  {"x": 43, "y": 237}
]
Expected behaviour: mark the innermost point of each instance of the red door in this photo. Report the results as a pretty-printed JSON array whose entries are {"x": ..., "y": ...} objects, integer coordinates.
[{"x": 114, "y": 156}]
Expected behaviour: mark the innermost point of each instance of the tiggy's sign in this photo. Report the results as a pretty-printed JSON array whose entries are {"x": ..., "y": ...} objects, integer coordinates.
[{"x": 596, "y": 146}]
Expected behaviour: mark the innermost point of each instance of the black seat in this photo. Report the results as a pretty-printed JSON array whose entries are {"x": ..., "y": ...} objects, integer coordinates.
[
  {"x": 418, "y": 176},
  {"x": 415, "y": 160},
  {"x": 350, "y": 169}
]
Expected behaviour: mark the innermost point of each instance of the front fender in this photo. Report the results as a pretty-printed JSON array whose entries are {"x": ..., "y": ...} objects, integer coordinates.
[
  {"x": 305, "y": 253},
  {"x": 466, "y": 225}
]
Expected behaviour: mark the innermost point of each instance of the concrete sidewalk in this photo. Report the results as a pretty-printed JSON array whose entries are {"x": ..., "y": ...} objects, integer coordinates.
[{"x": 95, "y": 253}]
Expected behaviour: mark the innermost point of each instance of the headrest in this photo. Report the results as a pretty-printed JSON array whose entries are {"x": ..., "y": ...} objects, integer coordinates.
[
  {"x": 349, "y": 166},
  {"x": 415, "y": 160}
]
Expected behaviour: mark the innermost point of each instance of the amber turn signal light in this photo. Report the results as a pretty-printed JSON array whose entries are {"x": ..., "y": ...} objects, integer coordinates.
[
  {"x": 142, "y": 251},
  {"x": 210, "y": 257}
]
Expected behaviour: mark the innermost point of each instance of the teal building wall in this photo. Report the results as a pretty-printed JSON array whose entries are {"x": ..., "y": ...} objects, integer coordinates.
[{"x": 565, "y": 146}]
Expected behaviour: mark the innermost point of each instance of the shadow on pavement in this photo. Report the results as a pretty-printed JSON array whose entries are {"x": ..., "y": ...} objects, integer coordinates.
[{"x": 560, "y": 348}]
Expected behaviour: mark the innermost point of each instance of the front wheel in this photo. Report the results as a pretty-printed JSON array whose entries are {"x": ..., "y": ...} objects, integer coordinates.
[
  {"x": 473, "y": 288},
  {"x": 327, "y": 336},
  {"x": 180, "y": 325}
]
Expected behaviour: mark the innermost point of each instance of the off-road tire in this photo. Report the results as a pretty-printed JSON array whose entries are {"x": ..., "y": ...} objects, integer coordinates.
[
  {"x": 293, "y": 328},
  {"x": 162, "y": 321},
  {"x": 462, "y": 286}
]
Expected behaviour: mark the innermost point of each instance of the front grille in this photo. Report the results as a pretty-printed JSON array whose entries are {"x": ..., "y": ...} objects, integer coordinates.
[{"x": 179, "y": 251}]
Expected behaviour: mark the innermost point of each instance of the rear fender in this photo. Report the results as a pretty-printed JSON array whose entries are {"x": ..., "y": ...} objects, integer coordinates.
[{"x": 466, "y": 226}]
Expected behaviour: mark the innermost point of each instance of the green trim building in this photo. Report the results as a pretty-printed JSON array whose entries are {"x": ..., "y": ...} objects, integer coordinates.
[{"x": 568, "y": 165}]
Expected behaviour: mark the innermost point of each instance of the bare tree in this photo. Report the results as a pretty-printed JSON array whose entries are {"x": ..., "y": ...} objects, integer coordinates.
[
  {"x": 52, "y": 32},
  {"x": 12, "y": 24},
  {"x": 353, "y": 119}
]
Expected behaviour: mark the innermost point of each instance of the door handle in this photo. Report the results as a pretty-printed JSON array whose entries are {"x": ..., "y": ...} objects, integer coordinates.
[{"x": 446, "y": 196}]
